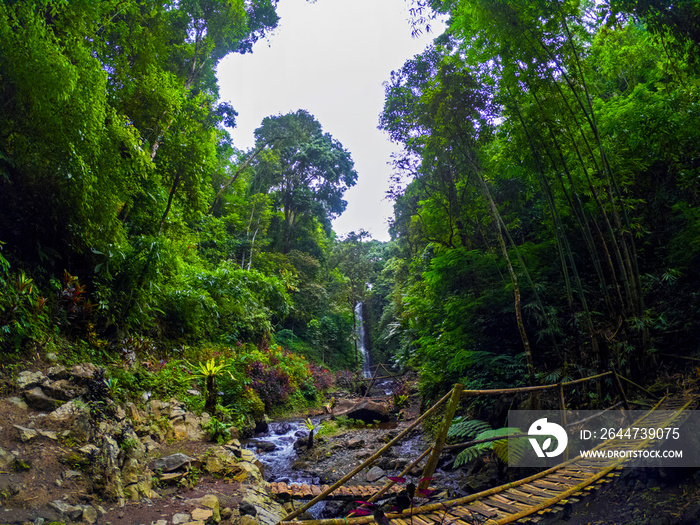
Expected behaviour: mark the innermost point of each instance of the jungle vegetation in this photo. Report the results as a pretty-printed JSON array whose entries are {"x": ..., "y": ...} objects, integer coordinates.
[{"x": 546, "y": 194}]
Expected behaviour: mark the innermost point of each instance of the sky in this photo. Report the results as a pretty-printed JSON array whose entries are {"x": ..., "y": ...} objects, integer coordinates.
[{"x": 330, "y": 57}]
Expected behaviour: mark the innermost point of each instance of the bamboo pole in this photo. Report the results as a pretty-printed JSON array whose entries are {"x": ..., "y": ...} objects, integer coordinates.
[
  {"x": 479, "y": 495},
  {"x": 562, "y": 407},
  {"x": 368, "y": 461},
  {"x": 641, "y": 388},
  {"x": 502, "y": 391},
  {"x": 622, "y": 390},
  {"x": 432, "y": 462}
]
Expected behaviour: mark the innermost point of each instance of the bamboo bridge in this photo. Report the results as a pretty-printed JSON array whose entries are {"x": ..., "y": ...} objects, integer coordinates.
[{"x": 534, "y": 499}]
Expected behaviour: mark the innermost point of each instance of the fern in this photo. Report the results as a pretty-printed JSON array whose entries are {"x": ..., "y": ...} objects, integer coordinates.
[
  {"x": 466, "y": 428},
  {"x": 502, "y": 447}
]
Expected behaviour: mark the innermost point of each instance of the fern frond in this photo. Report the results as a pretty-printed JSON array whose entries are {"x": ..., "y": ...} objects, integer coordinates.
[
  {"x": 466, "y": 428},
  {"x": 500, "y": 447}
]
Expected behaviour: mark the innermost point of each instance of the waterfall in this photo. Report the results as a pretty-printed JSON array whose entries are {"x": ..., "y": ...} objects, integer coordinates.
[{"x": 360, "y": 329}]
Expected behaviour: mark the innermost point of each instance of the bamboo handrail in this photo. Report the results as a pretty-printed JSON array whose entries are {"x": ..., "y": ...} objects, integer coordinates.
[
  {"x": 502, "y": 391},
  {"x": 525, "y": 434},
  {"x": 368, "y": 461},
  {"x": 640, "y": 387},
  {"x": 495, "y": 490}
]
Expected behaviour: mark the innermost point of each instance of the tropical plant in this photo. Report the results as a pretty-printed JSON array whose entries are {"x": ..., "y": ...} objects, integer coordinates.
[
  {"x": 209, "y": 371},
  {"x": 476, "y": 430}
]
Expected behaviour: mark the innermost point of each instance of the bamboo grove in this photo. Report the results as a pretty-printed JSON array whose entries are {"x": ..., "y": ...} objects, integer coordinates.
[{"x": 546, "y": 192}]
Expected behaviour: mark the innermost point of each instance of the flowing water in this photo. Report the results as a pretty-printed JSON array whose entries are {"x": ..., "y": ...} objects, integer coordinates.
[{"x": 360, "y": 327}]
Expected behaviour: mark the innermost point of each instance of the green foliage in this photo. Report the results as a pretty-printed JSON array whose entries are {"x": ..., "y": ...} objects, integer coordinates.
[
  {"x": 475, "y": 430},
  {"x": 219, "y": 432}
]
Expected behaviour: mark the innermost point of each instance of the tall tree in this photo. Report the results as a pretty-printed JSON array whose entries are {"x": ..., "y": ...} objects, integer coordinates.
[{"x": 307, "y": 170}]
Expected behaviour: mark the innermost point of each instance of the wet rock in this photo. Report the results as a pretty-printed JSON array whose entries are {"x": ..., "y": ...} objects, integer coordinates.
[
  {"x": 374, "y": 474},
  {"x": 27, "y": 379},
  {"x": 283, "y": 428},
  {"x": 261, "y": 426},
  {"x": 172, "y": 462},
  {"x": 265, "y": 446}
]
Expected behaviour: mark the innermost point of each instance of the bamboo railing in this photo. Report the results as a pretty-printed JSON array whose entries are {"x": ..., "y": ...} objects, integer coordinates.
[{"x": 454, "y": 396}]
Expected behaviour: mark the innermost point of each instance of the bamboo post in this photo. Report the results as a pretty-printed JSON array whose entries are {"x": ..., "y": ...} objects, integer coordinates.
[
  {"x": 432, "y": 462},
  {"x": 639, "y": 387},
  {"x": 562, "y": 407},
  {"x": 622, "y": 390},
  {"x": 368, "y": 461}
]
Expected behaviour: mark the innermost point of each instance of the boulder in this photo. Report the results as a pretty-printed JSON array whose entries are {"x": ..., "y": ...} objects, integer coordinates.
[
  {"x": 84, "y": 372},
  {"x": 36, "y": 399},
  {"x": 265, "y": 446},
  {"x": 367, "y": 411},
  {"x": 210, "y": 502},
  {"x": 74, "y": 416},
  {"x": 27, "y": 379},
  {"x": 283, "y": 428},
  {"x": 67, "y": 511},
  {"x": 355, "y": 443},
  {"x": 62, "y": 389},
  {"x": 172, "y": 462},
  {"x": 6, "y": 459},
  {"x": 58, "y": 372}
]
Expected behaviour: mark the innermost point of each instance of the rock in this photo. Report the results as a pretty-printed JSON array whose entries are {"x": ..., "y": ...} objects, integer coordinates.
[
  {"x": 27, "y": 379},
  {"x": 202, "y": 514},
  {"x": 247, "y": 509},
  {"x": 36, "y": 398},
  {"x": 367, "y": 411},
  {"x": 261, "y": 426},
  {"x": 70, "y": 474},
  {"x": 74, "y": 416},
  {"x": 89, "y": 514},
  {"x": 18, "y": 402},
  {"x": 52, "y": 356},
  {"x": 265, "y": 446},
  {"x": 355, "y": 443},
  {"x": 84, "y": 372},
  {"x": 283, "y": 428},
  {"x": 58, "y": 372},
  {"x": 211, "y": 503},
  {"x": 49, "y": 434},
  {"x": 26, "y": 434},
  {"x": 172, "y": 462},
  {"x": 66, "y": 511},
  {"x": 179, "y": 518},
  {"x": 226, "y": 513},
  {"x": 62, "y": 389},
  {"x": 249, "y": 520},
  {"x": 6, "y": 459},
  {"x": 374, "y": 474}
]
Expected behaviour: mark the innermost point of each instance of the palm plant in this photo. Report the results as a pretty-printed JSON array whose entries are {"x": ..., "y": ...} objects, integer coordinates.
[{"x": 209, "y": 371}]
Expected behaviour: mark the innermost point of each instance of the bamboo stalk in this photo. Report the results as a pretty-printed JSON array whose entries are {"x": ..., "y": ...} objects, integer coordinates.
[
  {"x": 640, "y": 387},
  {"x": 479, "y": 495},
  {"x": 368, "y": 461},
  {"x": 622, "y": 391},
  {"x": 502, "y": 391},
  {"x": 562, "y": 407},
  {"x": 432, "y": 462}
]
